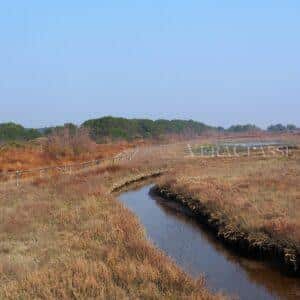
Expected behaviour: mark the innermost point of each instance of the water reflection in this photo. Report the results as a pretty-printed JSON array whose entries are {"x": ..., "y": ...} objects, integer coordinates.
[{"x": 198, "y": 252}]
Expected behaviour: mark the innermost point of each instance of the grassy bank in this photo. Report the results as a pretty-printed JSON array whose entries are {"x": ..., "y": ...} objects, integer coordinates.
[
  {"x": 253, "y": 204},
  {"x": 70, "y": 238}
]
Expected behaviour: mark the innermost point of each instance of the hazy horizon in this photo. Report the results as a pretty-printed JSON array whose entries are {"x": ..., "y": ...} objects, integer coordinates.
[{"x": 217, "y": 63}]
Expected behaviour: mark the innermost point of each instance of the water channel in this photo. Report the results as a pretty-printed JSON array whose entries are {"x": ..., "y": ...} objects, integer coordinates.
[{"x": 170, "y": 227}]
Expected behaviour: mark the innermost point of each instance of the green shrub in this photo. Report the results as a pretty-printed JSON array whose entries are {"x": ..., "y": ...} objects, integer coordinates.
[{"x": 15, "y": 132}]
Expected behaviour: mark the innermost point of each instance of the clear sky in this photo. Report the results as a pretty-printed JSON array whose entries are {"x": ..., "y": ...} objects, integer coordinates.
[{"x": 220, "y": 62}]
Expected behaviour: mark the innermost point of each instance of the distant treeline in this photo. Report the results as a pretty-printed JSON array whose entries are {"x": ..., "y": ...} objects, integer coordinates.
[
  {"x": 121, "y": 128},
  {"x": 14, "y": 132},
  {"x": 142, "y": 128}
]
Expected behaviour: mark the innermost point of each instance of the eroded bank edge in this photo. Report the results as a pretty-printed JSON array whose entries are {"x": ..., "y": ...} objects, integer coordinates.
[
  {"x": 136, "y": 178},
  {"x": 259, "y": 246}
]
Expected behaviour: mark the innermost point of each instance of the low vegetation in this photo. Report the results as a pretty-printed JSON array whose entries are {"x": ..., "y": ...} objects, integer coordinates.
[
  {"x": 258, "y": 196},
  {"x": 58, "y": 149},
  {"x": 69, "y": 238}
]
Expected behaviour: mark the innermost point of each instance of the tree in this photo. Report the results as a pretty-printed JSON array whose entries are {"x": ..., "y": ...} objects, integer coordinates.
[
  {"x": 117, "y": 128},
  {"x": 243, "y": 128},
  {"x": 291, "y": 127},
  {"x": 276, "y": 128},
  {"x": 15, "y": 132}
]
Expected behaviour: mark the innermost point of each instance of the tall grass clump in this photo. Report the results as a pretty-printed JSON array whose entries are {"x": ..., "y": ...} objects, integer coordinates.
[{"x": 69, "y": 143}]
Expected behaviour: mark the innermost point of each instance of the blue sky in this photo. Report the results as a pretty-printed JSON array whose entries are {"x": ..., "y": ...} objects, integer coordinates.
[{"x": 220, "y": 62}]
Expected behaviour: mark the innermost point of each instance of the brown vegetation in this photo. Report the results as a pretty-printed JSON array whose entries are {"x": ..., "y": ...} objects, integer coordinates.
[
  {"x": 58, "y": 149},
  {"x": 69, "y": 238},
  {"x": 64, "y": 143},
  {"x": 256, "y": 196}
]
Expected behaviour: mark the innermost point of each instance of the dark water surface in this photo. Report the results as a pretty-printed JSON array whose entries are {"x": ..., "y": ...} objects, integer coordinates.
[{"x": 199, "y": 253}]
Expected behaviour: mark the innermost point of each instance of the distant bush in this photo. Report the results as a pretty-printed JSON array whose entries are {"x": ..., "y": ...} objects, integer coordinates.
[
  {"x": 69, "y": 142},
  {"x": 291, "y": 127},
  {"x": 15, "y": 132},
  {"x": 243, "y": 128},
  {"x": 49, "y": 130},
  {"x": 281, "y": 128},
  {"x": 276, "y": 128}
]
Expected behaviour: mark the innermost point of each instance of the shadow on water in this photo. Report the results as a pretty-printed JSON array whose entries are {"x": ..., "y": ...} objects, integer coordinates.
[{"x": 171, "y": 228}]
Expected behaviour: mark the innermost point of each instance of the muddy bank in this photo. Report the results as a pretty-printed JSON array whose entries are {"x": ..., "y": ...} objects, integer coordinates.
[
  {"x": 136, "y": 178},
  {"x": 255, "y": 245}
]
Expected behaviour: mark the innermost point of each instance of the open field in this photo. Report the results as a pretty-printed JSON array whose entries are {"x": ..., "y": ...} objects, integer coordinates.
[
  {"x": 255, "y": 198},
  {"x": 69, "y": 238}
]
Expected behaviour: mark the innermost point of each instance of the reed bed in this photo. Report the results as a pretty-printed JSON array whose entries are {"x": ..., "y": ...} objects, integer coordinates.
[{"x": 69, "y": 238}]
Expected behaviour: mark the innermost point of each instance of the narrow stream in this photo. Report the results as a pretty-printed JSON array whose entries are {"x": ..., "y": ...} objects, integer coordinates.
[{"x": 199, "y": 253}]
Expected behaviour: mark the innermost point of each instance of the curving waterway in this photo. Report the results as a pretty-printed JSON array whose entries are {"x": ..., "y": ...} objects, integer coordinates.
[{"x": 170, "y": 227}]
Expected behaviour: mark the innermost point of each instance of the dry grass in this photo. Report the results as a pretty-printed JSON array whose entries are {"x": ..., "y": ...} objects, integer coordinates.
[
  {"x": 65, "y": 143},
  {"x": 42, "y": 153},
  {"x": 69, "y": 238},
  {"x": 259, "y": 195}
]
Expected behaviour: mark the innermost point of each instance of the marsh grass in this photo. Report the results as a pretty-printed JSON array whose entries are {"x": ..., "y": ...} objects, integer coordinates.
[
  {"x": 57, "y": 150},
  {"x": 70, "y": 239},
  {"x": 258, "y": 195}
]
